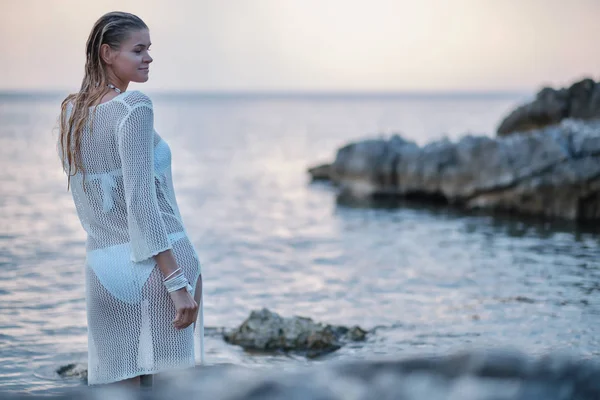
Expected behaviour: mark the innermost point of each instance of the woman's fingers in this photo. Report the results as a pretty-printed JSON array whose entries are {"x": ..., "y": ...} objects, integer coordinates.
[
  {"x": 191, "y": 313},
  {"x": 186, "y": 315},
  {"x": 178, "y": 318},
  {"x": 181, "y": 322}
]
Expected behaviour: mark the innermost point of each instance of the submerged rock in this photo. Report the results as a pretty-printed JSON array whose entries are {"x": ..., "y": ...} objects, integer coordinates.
[
  {"x": 73, "y": 371},
  {"x": 552, "y": 172},
  {"x": 580, "y": 101},
  {"x": 267, "y": 331}
]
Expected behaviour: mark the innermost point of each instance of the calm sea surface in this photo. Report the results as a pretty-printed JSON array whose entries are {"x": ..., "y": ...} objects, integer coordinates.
[{"x": 431, "y": 280}]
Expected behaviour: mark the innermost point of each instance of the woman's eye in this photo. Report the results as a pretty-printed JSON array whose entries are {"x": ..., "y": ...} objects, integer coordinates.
[{"x": 137, "y": 51}]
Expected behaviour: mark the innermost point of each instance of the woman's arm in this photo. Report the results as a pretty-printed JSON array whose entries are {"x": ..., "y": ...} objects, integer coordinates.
[
  {"x": 185, "y": 304},
  {"x": 166, "y": 262},
  {"x": 147, "y": 231}
]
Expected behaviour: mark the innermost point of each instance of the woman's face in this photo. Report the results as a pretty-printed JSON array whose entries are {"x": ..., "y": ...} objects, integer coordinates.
[{"x": 132, "y": 61}]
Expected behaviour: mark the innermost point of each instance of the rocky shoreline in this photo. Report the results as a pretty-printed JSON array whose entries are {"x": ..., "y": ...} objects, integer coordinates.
[
  {"x": 544, "y": 162},
  {"x": 552, "y": 172}
]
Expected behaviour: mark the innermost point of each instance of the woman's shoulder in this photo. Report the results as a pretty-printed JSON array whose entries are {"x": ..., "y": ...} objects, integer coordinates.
[{"x": 135, "y": 98}]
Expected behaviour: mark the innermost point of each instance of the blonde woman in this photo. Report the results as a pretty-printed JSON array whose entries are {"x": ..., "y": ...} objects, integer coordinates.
[{"x": 143, "y": 278}]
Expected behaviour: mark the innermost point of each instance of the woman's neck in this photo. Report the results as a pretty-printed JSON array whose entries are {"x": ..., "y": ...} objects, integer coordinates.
[{"x": 114, "y": 80}]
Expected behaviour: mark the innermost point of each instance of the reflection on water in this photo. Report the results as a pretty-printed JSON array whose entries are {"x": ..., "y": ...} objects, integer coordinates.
[{"x": 428, "y": 278}]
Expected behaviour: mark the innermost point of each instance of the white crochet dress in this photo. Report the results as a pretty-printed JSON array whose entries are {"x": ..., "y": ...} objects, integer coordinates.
[{"x": 127, "y": 206}]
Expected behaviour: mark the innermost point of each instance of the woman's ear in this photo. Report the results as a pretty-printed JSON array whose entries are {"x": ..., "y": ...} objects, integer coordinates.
[{"x": 106, "y": 54}]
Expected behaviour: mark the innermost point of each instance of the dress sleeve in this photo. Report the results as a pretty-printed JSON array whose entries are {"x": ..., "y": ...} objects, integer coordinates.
[{"x": 147, "y": 231}]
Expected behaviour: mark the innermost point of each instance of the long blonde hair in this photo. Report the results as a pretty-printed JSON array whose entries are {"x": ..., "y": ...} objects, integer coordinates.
[{"x": 112, "y": 29}]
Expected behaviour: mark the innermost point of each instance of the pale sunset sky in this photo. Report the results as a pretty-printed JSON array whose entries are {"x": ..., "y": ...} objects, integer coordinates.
[{"x": 315, "y": 45}]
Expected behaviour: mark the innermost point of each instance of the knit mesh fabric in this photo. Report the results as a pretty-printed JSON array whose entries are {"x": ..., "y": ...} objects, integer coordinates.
[{"x": 127, "y": 207}]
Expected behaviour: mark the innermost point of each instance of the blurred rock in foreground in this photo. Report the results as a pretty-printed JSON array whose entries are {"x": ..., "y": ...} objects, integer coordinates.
[
  {"x": 267, "y": 331},
  {"x": 580, "y": 101},
  {"x": 552, "y": 172},
  {"x": 497, "y": 375}
]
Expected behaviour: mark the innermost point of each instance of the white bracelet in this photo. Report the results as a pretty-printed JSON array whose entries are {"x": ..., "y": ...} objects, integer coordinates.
[
  {"x": 168, "y": 276},
  {"x": 176, "y": 283}
]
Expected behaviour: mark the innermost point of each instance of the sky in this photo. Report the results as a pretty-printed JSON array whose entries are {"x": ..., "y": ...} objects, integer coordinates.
[{"x": 315, "y": 45}]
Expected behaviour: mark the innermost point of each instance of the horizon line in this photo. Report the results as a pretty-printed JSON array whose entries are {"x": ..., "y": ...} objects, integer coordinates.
[{"x": 289, "y": 93}]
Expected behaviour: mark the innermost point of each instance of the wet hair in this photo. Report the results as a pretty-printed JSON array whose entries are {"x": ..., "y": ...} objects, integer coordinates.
[{"x": 112, "y": 29}]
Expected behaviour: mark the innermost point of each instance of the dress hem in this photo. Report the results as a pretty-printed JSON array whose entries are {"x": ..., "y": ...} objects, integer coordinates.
[{"x": 152, "y": 372}]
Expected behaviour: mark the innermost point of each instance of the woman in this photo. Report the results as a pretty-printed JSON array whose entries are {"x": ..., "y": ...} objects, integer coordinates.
[{"x": 139, "y": 261}]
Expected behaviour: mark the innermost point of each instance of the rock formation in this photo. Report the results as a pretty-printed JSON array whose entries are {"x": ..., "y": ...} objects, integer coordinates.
[
  {"x": 550, "y": 172},
  {"x": 580, "y": 101},
  {"x": 267, "y": 331}
]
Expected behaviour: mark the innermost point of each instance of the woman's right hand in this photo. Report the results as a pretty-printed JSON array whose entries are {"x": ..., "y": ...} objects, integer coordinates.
[{"x": 186, "y": 308}]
